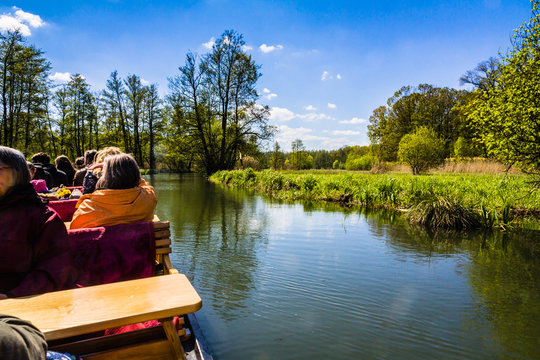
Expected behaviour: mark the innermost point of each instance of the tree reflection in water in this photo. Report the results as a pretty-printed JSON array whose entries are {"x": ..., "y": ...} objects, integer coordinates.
[{"x": 225, "y": 231}]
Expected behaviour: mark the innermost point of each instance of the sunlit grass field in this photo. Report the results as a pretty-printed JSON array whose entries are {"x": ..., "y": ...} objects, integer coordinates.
[{"x": 488, "y": 195}]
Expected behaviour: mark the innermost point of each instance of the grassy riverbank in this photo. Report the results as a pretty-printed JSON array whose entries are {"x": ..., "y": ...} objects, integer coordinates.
[{"x": 439, "y": 200}]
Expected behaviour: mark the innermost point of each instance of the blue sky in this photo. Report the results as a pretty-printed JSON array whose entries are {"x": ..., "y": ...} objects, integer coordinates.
[{"x": 326, "y": 65}]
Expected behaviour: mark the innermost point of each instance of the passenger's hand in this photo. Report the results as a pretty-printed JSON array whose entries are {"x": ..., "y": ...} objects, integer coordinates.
[
  {"x": 3, "y": 296},
  {"x": 95, "y": 166}
]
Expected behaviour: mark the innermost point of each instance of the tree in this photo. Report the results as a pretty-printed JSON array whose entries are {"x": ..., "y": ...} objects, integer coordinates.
[
  {"x": 506, "y": 113},
  {"x": 277, "y": 158},
  {"x": 215, "y": 100},
  {"x": 411, "y": 108},
  {"x": 421, "y": 150}
]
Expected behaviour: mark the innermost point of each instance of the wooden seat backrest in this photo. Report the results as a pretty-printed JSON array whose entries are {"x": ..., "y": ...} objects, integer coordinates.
[{"x": 162, "y": 235}]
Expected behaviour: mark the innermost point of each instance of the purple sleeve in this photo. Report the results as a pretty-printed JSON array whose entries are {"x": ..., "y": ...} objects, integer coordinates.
[{"x": 51, "y": 259}]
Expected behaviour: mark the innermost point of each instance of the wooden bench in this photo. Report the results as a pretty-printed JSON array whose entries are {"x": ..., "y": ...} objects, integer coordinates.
[
  {"x": 73, "y": 320},
  {"x": 71, "y": 313}
]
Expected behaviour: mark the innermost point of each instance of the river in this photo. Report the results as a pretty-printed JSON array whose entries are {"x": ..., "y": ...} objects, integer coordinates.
[{"x": 301, "y": 281}]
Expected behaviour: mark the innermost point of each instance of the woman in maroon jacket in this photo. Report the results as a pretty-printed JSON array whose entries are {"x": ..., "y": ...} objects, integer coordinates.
[{"x": 34, "y": 247}]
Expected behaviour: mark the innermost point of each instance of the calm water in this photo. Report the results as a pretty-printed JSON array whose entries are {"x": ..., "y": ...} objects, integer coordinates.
[{"x": 292, "y": 281}]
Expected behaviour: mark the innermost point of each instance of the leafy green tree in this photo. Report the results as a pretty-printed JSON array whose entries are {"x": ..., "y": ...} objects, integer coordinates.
[
  {"x": 277, "y": 159},
  {"x": 24, "y": 94},
  {"x": 77, "y": 120},
  {"x": 216, "y": 102},
  {"x": 421, "y": 150},
  {"x": 506, "y": 112},
  {"x": 411, "y": 108}
]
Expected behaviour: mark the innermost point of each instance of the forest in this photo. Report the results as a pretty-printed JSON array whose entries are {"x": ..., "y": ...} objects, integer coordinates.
[{"x": 211, "y": 120}]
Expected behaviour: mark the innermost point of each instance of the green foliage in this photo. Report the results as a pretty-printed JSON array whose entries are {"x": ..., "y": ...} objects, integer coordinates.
[
  {"x": 450, "y": 200},
  {"x": 414, "y": 107},
  {"x": 444, "y": 213},
  {"x": 421, "y": 150},
  {"x": 463, "y": 148},
  {"x": 220, "y": 118},
  {"x": 505, "y": 112},
  {"x": 335, "y": 165},
  {"x": 364, "y": 162}
]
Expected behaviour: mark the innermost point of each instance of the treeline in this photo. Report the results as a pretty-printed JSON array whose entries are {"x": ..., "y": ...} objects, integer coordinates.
[{"x": 208, "y": 118}]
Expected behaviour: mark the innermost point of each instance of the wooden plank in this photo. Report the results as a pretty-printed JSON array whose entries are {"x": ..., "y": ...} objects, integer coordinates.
[
  {"x": 152, "y": 350},
  {"x": 79, "y": 311},
  {"x": 166, "y": 250},
  {"x": 160, "y": 234},
  {"x": 161, "y": 225},
  {"x": 174, "y": 340},
  {"x": 164, "y": 242}
]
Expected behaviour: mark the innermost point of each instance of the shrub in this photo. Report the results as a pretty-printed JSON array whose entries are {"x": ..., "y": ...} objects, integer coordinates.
[
  {"x": 421, "y": 150},
  {"x": 443, "y": 213},
  {"x": 364, "y": 162}
]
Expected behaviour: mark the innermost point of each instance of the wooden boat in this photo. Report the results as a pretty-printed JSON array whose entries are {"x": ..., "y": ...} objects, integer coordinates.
[{"x": 73, "y": 320}]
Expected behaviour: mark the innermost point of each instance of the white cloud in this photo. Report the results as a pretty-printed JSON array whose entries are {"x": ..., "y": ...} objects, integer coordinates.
[
  {"x": 226, "y": 40},
  {"x": 310, "y": 108},
  {"x": 315, "y": 116},
  {"x": 208, "y": 45},
  {"x": 246, "y": 48},
  {"x": 325, "y": 76},
  {"x": 286, "y": 135},
  {"x": 338, "y": 76},
  {"x": 346, "y": 132},
  {"x": 281, "y": 114},
  {"x": 34, "y": 21},
  {"x": 145, "y": 82},
  {"x": 266, "y": 91},
  {"x": 9, "y": 23},
  {"x": 353, "y": 121},
  {"x": 331, "y": 106},
  {"x": 270, "y": 96},
  {"x": 269, "y": 48},
  {"x": 60, "y": 77},
  {"x": 21, "y": 21}
]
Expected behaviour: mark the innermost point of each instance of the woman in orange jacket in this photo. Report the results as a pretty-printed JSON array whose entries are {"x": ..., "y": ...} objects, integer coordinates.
[{"x": 121, "y": 196}]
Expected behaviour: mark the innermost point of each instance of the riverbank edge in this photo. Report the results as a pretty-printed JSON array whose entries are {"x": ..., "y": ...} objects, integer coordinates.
[{"x": 429, "y": 201}]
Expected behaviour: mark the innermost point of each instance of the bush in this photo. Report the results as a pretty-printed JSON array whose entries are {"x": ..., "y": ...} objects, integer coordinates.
[
  {"x": 421, "y": 150},
  {"x": 444, "y": 213},
  {"x": 364, "y": 162}
]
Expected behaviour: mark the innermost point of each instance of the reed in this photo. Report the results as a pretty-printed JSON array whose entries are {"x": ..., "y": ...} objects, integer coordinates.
[{"x": 495, "y": 200}]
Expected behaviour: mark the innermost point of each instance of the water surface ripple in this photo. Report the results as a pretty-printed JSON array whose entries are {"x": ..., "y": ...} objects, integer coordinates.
[{"x": 292, "y": 281}]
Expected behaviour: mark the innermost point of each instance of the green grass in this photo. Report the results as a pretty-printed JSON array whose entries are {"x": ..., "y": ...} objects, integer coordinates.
[{"x": 492, "y": 199}]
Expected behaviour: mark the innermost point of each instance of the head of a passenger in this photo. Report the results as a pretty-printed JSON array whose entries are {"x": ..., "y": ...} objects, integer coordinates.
[
  {"x": 108, "y": 151},
  {"x": 119, "y": 172},
  {"x": 89, "y": 156},
  {"x": 31, "y": 168},
  {"x": 62, "y": 163},
  {"x": 41, "y": 158},
  {"x": 13, "y": 169},
  {"x": 79, "y": 162}
]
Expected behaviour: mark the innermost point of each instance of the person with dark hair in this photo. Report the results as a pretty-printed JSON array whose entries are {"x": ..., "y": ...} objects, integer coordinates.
[
  {"x": 79, "y": 162},
  {"x": 34, "y": 245},
  {"x": 89, "y": 156},
  {"x": 63, "y": 164},
  {"x": 121, "y": 196},
  {"x": 43, "y": 161}
]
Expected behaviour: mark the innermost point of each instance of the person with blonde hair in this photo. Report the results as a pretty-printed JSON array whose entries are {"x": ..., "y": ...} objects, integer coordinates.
[
  {"x": 91, "y": 177},
  {"x": 121, "y": 196}
]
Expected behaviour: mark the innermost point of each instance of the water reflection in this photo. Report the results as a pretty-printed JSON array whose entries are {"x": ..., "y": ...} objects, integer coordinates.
[
  {"x": 282, "y": 274},
  {"x": 217, "y": 235}
]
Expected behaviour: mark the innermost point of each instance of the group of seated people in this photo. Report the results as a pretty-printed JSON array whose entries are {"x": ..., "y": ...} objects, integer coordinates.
[{"x": 34, "y": 247}]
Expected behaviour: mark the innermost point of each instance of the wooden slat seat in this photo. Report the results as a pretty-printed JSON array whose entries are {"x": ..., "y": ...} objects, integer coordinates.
[{"x": 72, "y": 319}]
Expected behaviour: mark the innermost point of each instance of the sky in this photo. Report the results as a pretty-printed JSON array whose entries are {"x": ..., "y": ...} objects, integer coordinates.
[{"x": 326, "y": 65}]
